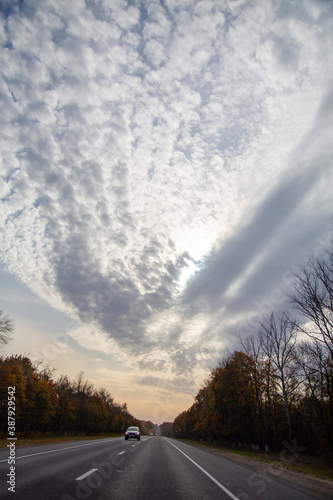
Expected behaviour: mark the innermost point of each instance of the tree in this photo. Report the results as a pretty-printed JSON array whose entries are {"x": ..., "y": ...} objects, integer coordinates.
[
  {"x": 83, "y": 391},
  {"x": 263, "y": 380},
  {"x": 313, "y": 298},
  {"x": 178, "y": 427},
  {"x": 43, "y": 405},
  {"x": 278, "y": 337},
  {"x": 64, "y": 420},
  {"x": 11, "y": 375},
  {"x": 106, "y": 397},
  {"x": 6, "y": 328},
  {"x": 235, "y": 415},
  {"x": 317, "y": 370},
  {"x": 203, "y": 424},
  {"x": 35, "y": 398}
]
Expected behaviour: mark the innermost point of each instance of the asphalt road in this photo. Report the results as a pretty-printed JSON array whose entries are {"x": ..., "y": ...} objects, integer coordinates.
[{"x": 153, "y": 469}]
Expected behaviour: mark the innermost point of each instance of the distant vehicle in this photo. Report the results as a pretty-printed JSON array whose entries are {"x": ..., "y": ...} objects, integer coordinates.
[
  {"x": 133, "y": 432},
  {"x": 151, "y": 434}
]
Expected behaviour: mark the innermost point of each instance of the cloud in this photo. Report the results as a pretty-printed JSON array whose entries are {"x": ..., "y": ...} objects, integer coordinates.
[
  {"x": 233, "y": 259},
  {"x": 156, "y": 161}
]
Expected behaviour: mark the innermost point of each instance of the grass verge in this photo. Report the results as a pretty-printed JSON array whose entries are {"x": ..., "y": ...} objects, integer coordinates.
[
  {"x": 32, "y": 441},
  {"x": 299, "y": 464}
]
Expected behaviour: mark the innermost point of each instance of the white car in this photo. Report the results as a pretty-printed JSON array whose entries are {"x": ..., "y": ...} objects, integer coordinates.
[{"x": 133, "y": 432}]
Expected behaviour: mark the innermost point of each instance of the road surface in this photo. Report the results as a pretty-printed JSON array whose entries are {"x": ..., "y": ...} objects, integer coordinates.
[{"x": 154, "y": 468}]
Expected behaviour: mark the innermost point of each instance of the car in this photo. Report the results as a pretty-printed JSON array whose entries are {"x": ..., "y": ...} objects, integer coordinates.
[{"x": 133, "y": 432}]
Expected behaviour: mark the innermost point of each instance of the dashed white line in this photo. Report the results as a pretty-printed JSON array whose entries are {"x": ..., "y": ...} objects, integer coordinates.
[
  {"x": 207, "y": 474},
  {"x": 91, "y": 471},
  {"x": 122, "y": 452}
]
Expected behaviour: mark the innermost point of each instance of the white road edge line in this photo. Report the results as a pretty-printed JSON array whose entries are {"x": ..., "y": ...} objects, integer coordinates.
[
  {"x": 231, "y": 495},
  {"x": 55, "y": 451},
  {"x": 91, "y": 471}
]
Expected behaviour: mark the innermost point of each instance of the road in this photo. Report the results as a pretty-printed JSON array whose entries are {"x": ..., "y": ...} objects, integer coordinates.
[{"x": 154, "y": 468}]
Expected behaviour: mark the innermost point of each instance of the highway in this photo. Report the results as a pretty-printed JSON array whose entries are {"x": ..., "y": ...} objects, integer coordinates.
[{"x": 155, "y": 468}]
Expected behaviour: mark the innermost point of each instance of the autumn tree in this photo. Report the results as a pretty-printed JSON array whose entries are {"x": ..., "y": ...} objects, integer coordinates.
[
  {"x": 109, "y": 403},
  {"x": 83, "y": 403},
  {"x": 11, "y": 375},
  {"x": 35, "y": 398},
  {"x": 60, "y": 407},
  {"x": 179, "y": 426},
  {"x": 225, "y": 408},
  {"x": 203, "y": 423},
  {"x": 65, "y": 418},
  {"x": 233, "y": 399}
]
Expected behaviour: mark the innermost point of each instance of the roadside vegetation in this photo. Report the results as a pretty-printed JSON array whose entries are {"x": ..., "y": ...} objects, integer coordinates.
[
  {"x": 46, "y": 407},
  {"x": 298, "y": 463},
  {"x": 276, "y": 393}
]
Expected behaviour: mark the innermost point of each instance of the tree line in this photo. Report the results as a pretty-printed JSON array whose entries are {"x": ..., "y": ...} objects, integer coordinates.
[
  {"x": 57, "y": 407},
  {"x": 279, "y": 386}
]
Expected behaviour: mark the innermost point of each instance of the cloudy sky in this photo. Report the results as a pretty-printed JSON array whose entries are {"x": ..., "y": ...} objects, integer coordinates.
[{"x": 165, "y": 167}]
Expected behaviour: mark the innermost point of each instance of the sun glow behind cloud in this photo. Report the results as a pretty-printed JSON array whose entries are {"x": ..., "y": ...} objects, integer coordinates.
[{"x": 153, "y": 158}]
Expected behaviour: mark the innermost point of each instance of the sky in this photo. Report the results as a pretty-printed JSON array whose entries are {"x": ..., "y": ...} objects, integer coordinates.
[{"x": 165, "y": 167}]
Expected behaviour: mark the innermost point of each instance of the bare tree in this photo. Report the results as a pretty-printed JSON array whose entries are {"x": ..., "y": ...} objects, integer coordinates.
[
  {"x": 278, "y": 337},
  {"x": 313, "y": 297},
  {"x": 6, "y": 328}
]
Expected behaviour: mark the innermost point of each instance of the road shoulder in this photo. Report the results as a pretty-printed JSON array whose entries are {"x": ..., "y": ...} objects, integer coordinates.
[{"x": 317, "y": 486}]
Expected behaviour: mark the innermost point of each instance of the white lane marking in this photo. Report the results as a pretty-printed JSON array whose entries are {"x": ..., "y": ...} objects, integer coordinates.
[
  {"x": 122, "y": 452},
  {"x": 133, "y": 445},
  {"x": 55, "y": 451},
  {"x": 91, "y": 471},
  {"x": 207, "y": 474}
]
